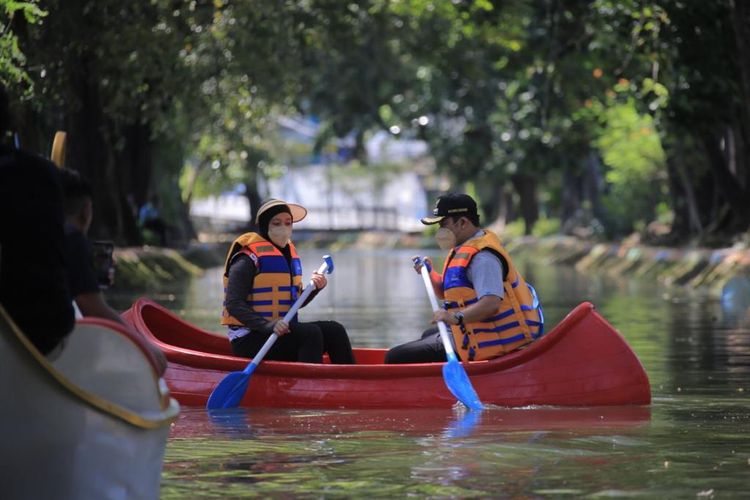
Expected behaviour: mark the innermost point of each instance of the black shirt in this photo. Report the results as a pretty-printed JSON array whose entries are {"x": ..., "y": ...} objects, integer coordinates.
[
  {"x": 33, "y": 286},
  {"x": 80, "y": 262}
]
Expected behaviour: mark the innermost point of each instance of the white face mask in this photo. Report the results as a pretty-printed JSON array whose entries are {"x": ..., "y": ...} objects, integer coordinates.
[
  {"x": 280, "y": 235},
  {"x": 445, "y": 238}
]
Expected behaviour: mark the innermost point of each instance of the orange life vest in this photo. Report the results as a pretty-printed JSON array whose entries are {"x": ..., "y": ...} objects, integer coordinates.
[
  {"x": 517, "y": 322},
  {"x": 275, "y": 286}
]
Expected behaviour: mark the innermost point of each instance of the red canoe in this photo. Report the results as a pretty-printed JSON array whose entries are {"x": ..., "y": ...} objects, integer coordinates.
[{"x": 583, "y": 361}]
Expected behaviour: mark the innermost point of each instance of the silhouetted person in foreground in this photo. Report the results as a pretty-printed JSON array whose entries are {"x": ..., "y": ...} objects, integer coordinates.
[{"x": 33, "y": 287}]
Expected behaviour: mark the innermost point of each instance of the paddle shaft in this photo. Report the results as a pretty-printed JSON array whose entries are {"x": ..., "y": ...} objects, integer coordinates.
[
  {"x": 287, "y": 318},
  {"x": 444, "y": 334},
  {"x": 454, "y": 375}
]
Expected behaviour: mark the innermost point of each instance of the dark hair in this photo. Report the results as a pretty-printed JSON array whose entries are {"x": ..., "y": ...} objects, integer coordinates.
[
  {"x": 473, "y": 218},
  {"x": 76, "y": 190}
]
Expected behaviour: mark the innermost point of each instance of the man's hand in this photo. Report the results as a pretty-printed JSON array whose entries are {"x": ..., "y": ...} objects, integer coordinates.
[
  {"x": 281, "y": 328},
  {"x": 446, "y": 317},
  {"x": 418, "y": 263},
  {"x": 319, "y": 280}
]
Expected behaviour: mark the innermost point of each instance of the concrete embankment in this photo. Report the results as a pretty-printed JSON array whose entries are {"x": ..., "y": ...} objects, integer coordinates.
[
  {"x": 691, "y": 267},
  {"x": 146, "y": 267}
]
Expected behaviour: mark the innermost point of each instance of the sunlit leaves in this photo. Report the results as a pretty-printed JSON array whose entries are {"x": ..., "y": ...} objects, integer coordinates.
[
  {"x": 632, "y": 150},
  {"x": 12, "y": 60}
]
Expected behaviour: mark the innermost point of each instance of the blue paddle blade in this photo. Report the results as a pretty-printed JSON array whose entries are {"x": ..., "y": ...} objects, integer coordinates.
[
  {"x": 229, "y": 392},
  {"x": 459, "y": 384}
]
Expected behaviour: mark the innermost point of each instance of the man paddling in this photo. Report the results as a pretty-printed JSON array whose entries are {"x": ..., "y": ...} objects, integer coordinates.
[{"x": 489, "y": 307}]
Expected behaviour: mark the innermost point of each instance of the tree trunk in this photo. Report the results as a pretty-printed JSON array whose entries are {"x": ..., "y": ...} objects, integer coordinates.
[
  {"x": 491, "y": 197},
  {"x": 677, "y": 162},
  {"x": 571, "y": 195},
  {"x": 253, "y": 197},
  {"x": 732, "y": 192},
  {"x": 134, "y": 170},
  {"x": 88, "y": 152},
  {"x": 741, "y": 21},
  {"x": 593, "y": 185},
  {"x": 525, "y": 185}
]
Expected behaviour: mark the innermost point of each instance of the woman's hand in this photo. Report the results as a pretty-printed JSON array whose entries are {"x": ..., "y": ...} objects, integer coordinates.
[
  {"x": 280, "y": 327},
  {"x": 319, "y": 280}
]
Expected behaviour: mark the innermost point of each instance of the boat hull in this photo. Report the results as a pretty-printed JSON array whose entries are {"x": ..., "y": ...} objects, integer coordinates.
[
  {"x": 91, "y": 424},
  {"x": 583, "y": 361}
]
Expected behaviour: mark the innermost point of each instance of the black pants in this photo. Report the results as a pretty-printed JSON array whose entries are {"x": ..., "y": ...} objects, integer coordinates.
[
  {"x": 305, "y": 342},
  {"x": 428, "y": 349}
]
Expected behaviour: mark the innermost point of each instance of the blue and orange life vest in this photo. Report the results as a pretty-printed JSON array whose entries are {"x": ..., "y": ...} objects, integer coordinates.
[
  {"x": 517, "y": 322},
  {"x": 275, "y": 287}
]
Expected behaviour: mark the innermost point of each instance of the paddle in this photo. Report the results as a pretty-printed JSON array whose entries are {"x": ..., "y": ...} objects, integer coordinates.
[
  {"x": 58, "y": 149},
  {"x": 454, "y": 375},
  {"x": 229, "y": 392}
]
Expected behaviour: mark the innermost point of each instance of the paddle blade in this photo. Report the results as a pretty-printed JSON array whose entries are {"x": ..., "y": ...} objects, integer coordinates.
[
  {"x": 229, "y": 392},
  {"x": 459, "y": 384}
]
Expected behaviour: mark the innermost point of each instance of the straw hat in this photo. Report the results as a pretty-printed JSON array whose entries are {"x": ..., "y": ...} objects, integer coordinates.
[{"x": 298, "y": 211}]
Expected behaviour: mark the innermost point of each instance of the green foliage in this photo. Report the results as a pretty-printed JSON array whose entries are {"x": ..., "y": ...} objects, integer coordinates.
[
  {"x": 636, "y": 174},
  {"x": 502, "y": 91},
  {"x": 13, "y": 62},
  {"x": 513, "y": 230},
  {"x": 544, "y": 227}
]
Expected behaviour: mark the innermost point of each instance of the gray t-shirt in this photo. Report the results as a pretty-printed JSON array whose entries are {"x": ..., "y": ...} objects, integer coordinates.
[{"x": 486, "y": 272}]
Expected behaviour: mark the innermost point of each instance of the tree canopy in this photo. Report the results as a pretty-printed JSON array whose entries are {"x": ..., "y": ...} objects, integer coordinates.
[{"x": 626, "y": 111}]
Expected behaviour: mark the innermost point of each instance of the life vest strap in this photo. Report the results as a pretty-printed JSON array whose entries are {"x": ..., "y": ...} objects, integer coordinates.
[{"x": 509, "y": 340}]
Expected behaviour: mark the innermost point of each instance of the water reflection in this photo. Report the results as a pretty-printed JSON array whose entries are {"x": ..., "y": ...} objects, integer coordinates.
[
  {"x": 498, "y": 452},
  {"x": 449, "y": 423}
]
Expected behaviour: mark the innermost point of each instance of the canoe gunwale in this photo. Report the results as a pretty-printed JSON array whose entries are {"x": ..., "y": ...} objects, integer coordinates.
[
  {"x": 170, "y": 408},
  {"x": 582, "y": 361},
  {"x": 221, "y": 362}
]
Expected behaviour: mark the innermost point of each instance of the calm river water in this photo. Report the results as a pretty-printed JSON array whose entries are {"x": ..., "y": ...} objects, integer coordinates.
[{"x": 692, "y": 442}]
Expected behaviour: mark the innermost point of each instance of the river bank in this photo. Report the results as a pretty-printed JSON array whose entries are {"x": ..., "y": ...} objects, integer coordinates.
[
  {"x": 709, "y": 269},
  {"x": 147, "y": 266},
  {"x": 705, "y": 268}
]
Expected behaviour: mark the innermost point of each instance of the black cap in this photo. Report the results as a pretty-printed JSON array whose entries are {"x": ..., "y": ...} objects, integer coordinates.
[{"x": 461, "y": 205}]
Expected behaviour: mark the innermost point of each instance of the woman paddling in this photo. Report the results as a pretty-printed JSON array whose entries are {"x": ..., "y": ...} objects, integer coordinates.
[{"x": 262, "y": 279}]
